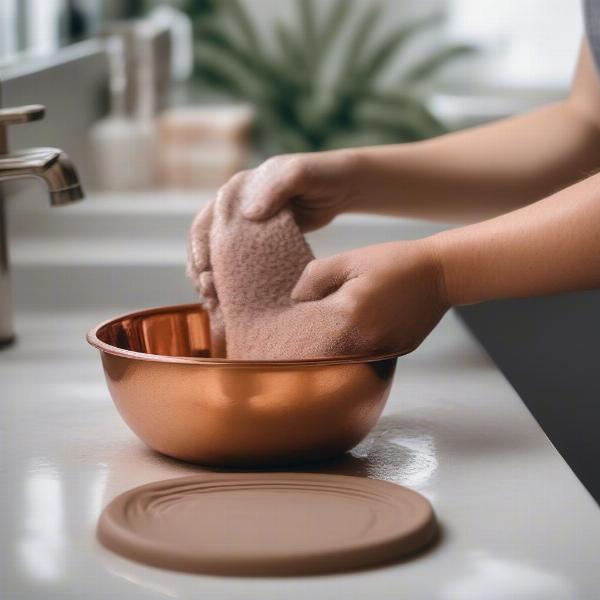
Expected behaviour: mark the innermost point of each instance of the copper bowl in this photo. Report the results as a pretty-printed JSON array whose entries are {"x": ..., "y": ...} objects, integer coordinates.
[{"x": 221, "y": 412}]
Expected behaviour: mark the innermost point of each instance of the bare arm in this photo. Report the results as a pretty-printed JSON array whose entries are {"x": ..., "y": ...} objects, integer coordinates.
[
  {"x": 462, "y": 177},
  {"x": 396, "y": 293},
  {"x": 548, "y": 247},
  {"x": 485, "y": 171}
]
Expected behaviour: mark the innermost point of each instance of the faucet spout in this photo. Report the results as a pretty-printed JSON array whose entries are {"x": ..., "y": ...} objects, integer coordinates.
[{"x": 51, "y": 165}]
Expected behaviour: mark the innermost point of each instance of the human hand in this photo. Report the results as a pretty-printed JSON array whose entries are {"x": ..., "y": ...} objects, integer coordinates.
[
  {"x": 387, "y": 297},
  {"x": 315, "y": 186},
  {"x": 199, "y": 270}
]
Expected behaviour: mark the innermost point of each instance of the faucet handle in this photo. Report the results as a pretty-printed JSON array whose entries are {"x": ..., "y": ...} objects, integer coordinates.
[{"x": 21, "y": 114}]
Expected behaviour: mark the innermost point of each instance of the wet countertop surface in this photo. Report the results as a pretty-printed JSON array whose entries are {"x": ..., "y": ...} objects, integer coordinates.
[{"x": 516, "y": 522}]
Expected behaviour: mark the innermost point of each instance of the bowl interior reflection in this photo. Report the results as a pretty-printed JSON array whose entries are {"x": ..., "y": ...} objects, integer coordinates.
[{"x": 173, "y": 331}]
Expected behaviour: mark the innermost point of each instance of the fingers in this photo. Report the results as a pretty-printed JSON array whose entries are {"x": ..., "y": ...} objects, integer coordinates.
[
  {"x": 199, "y": 236},
  {"x": 272, "y": 185},
  {"x": 320, "y": 278},
  {"x": 198, "y": 243},
  {"x": 206, "y": 285},
  {"x": 227, "y": 202},
  {"x": 199, "y": 268}
]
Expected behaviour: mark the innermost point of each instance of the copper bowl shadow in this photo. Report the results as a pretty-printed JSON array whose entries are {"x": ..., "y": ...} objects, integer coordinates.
[{"x": 182, "y": 402}]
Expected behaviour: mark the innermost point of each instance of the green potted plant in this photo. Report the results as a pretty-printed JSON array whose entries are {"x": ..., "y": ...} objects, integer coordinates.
[{"x": 303, "y": 99}]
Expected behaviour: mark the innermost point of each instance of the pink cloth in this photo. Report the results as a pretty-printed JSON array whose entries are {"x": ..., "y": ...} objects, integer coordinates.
[{"x": 246, "y": 271}]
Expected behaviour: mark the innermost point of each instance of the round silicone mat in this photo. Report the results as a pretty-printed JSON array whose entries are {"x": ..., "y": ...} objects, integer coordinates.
[{"x": 267, "y": 523}]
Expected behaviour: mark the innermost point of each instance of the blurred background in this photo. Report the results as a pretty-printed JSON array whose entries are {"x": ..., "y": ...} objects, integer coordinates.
[
  {"x": 201, "y": 88},
  {"x": 159, "y": 102}
]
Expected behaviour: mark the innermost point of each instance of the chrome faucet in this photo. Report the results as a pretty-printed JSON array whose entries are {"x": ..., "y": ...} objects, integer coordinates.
[{"x": 54, "y": 168}]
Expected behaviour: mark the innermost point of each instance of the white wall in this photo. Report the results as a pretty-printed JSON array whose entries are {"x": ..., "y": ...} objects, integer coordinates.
[
  {"x": 530, "y": 43},
  {"x": 524, "y": 43}
]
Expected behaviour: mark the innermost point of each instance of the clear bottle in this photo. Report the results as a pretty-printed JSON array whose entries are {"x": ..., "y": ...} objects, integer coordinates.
[{"x": 124, "y": 146}]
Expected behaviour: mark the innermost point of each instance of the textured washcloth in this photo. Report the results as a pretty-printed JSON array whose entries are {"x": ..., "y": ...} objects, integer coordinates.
[{"x": 246, "y": 271}]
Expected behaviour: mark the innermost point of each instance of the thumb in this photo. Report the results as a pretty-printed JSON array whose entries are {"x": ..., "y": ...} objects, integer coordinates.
[
  {"x": 271, "y": 187},
  {"x": 320, "y": 278},
  {"x": 261, "y": 202}
]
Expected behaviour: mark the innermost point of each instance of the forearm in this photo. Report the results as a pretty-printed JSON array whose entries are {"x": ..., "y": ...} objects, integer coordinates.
[
  {"x": 479, "y": 173},
  {"x": 548, "y": 247}
]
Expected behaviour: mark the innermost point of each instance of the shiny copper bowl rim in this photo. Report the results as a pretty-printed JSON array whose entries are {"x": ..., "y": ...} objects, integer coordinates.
[{"x": 92, "y": 339}]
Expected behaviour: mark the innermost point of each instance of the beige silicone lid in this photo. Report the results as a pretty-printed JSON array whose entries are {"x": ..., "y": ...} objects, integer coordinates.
[{"x": 267, "y": 523}]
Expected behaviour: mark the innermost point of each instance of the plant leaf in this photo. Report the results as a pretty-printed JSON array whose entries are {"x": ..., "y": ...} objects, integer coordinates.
[
  {"x": 255, "y": 66},
  {"x": 246, "y": 26},
  {"x": 225, "y": 76},
  {"x": 308, "y": 29},
  {"x": 296, "y": 110},
  {"x": 381, "y": 55},
  {"x": 200, "y": 9},
  {"x": 290, "y": 137},
  {"x": 400, "y": 130},
  {"x": 428, "y": 67},
  {"x": 358, "y": 42},
  {"x": 216, "y": 78},
  {"x": 408, "y": 107},
  {"x": 291, "y": 50},
  {"x": 334, "y": 22}
]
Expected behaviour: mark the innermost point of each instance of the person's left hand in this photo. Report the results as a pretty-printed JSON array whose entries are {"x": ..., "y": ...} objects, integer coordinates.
[{"x": 388, "y": 297}]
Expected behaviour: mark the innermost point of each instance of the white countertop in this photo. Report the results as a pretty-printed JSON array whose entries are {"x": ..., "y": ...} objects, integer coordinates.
[{"x": 516, "y": 522}]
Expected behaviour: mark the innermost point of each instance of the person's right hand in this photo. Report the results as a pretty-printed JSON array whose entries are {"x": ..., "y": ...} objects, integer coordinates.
[{"x": 315, "y": 186}]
